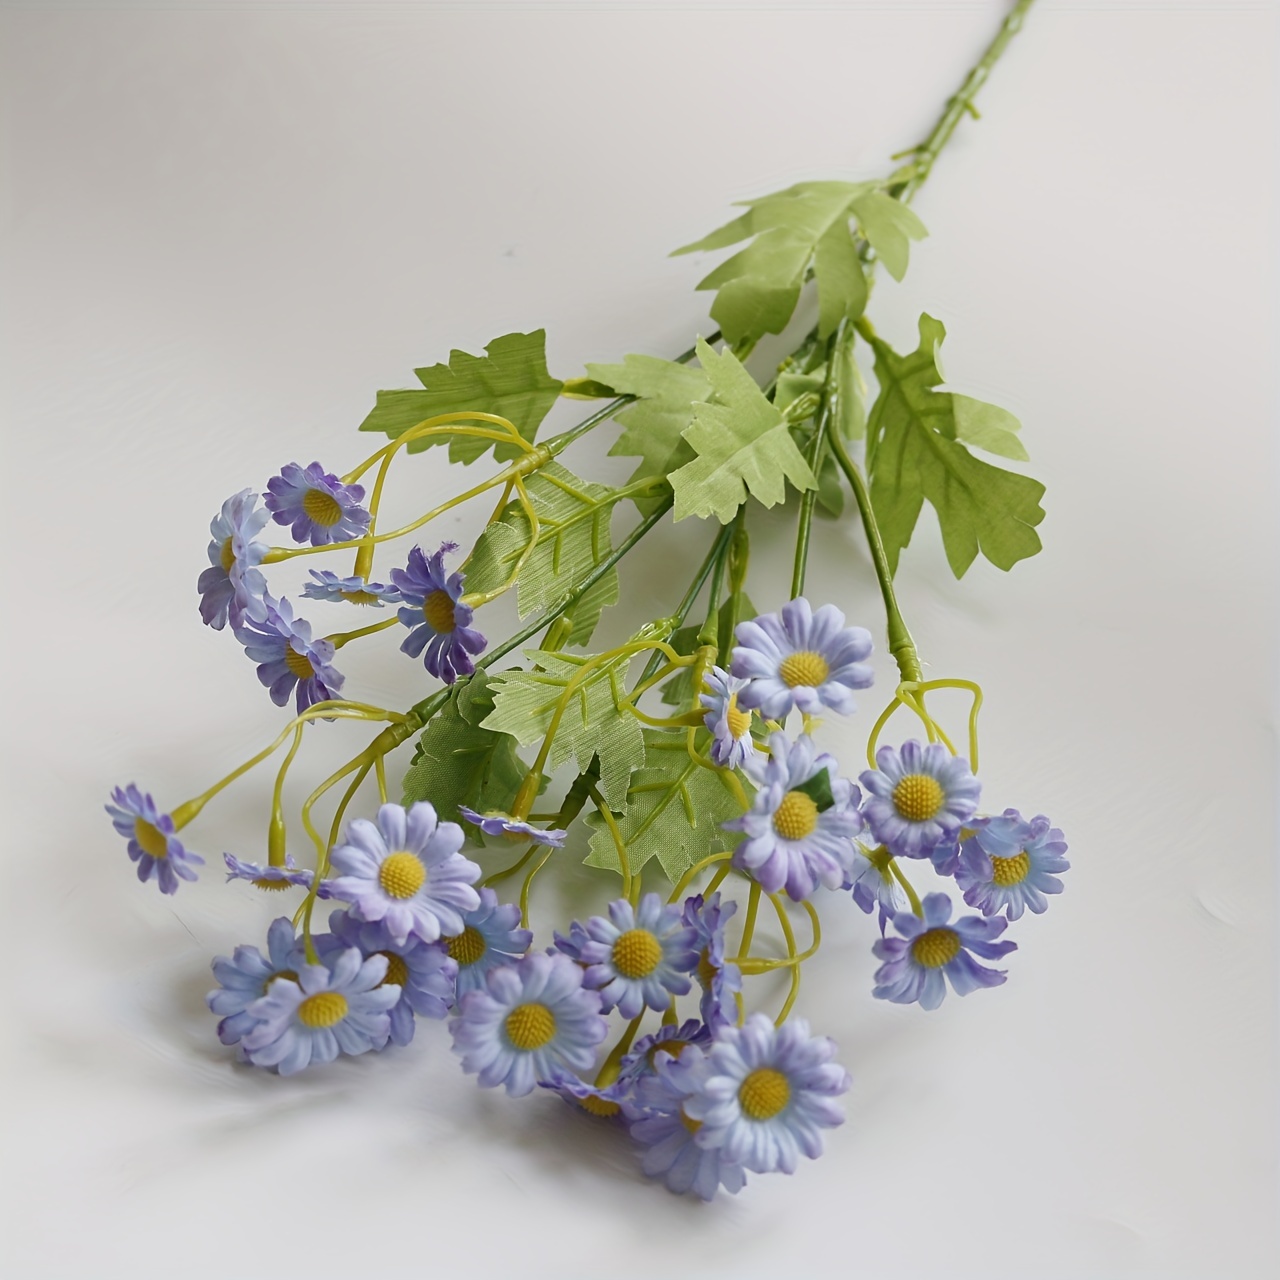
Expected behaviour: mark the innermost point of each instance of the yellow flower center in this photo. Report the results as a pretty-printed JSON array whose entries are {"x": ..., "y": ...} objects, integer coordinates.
[
  {"x": 402, "y": 875},
  {"x": 674, "y": 1047},
  {"x": 322, "y": 1009},
  {"x": 706, "y": 970},
  {"x": 529, "y": 1026},
  {"x": 228, "y": 556},
  {"x": 598, "y": 1106},
  {"x": 936, "y": 947},
  {"x": 359, "y": 597},
  {"x": 796, "y": 816},
  {"x": 287, "y": 974},
  {"x": 804, "y": 668},
  {"x": 689, "y": 1122},
  {"x": 763, "y": 1093},
  {"x": 321, "y": 507},
  {"x": 637, "y": 953},
  {"x": 298, "y": 663},
  {"x": 397, "y": 970},
  {"x": 153, "y": 842},
  {"x": 918, "y": 797},
  {"x": 468, "y": 946},
  {"x": 1007, "y": 871},
  {"x": 269, "y": 884},
  {"x": 437, "y": 608},
  {"x": 738, "y": 721}
]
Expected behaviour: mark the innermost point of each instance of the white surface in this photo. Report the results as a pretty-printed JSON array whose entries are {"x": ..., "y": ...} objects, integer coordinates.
[{"x": 226, "y": 229}]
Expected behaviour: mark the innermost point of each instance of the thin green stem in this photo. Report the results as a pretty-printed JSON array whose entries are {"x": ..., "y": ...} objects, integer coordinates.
[{"x": 809, "y": 497}]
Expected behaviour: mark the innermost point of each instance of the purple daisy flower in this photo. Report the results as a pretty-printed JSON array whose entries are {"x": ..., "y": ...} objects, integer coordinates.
[
  {"x": 732, "y": 745},
  {"x": 270, "y": 878},
  {"x": 914, "y": 964},
  {"x": 515, "y": 829},
  {"x": 919, "y": 797},
  {"x": 152, "y": 843},
  {"x": 605, "y": 1101},
  {"x": 245, "y": 976},
  {"x": 669, "y": 1041},
  {"x": 406, "y": 872},
  {"x": 329, "y": 586},
  {"x": 437, "y": 618},
  {"x": 287, "y": 656},
  {"x": 232, "y": 585},
  {"x": 339, "y": 1006},
  {"x": 1008, "y": 864},
  {"x": 638, "y": 957},
  {"x": 803, "y": 659},
  {"x": 766, "y": 1094},
  {"x": 318, "y": 506},
  {"x": 873, "y": 884},
  {"x": 491, "y": 937},
  {"x": 801, "y": 824},
  {"x": 529, "y": 1020},
  {"x": 669, "y": 1133},
  {"x": 719, "y": 978}
]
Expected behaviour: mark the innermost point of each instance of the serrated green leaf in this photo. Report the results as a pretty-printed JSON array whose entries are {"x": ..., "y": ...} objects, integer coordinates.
[
  {"x": 842, "y": 285},
  {"x": 889, "y": 227},
  {"x": 674, "y": 810},
  {"x": 914, "y": 454},
  {"x": 742, "y": 444},
  {"x": 987, "y": 426},
  {"x": 510, "y": 380}
]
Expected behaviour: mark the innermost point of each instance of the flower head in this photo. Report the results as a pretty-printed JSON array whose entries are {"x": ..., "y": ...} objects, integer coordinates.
[
  {"x": 669, "y": 1041},
  {"x": 918, "y": 797},
  {"x": 270, "y": 879},
  {"x": 232, "y": 584},
  {"x": 287, "y": 656},
  {"x": 339, "y": 1006},
  {"x": 874, "y": 884},
  {"x": 1007, "y": 864},
  {"x": 638, "y": 956},
  {"x": 719, "y": 978},
  {"x": 438, "y": 620},
  {"x": 605, "y": 1101},
  {"x": 799, "y": 658},
  {"x": 329, "y": 586},
  {"x": 530, "y": 1019},
  {"x": 406, "y": 872},
  {"x": 244, "y": 978},
  {"x": 152, "y": 842},
  {"x": 915, "y": 963},
  {"x": 517, "y": 829},
  {"x": 801, "y": 824},
  {"x": 767, "y": 1093},
  {"x": 732, "y": 745},
  {"x": 491, "y": 937},
  {"x": 318, "y": 506}
]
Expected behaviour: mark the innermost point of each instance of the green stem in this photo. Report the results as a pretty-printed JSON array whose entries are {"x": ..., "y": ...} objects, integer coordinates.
[{"x": 810, "y": 496}]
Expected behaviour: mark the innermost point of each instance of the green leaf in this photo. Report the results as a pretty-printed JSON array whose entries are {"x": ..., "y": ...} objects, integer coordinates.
[
  {"x": 818, "y": 789},
  {"x": 459, "y": 762},
  {"x": 742, "y": 445},
  {"x": 914, "y": 454},
  {"x": 586, "y": 389},
  {"x": 510, "y": 380},
  {"x": 674, "y": 810},
  {"x": 988, "y": 427},
  {"x": 889, "y": 227},
  {"x": 678, "y": 691}
]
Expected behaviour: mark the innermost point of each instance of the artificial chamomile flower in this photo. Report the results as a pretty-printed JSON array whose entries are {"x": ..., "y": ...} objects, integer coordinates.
[
  {"x": 730, "y": 724},
  {"x": 318, "y": 506},
  {"x": 919, "y": 797},
  {"x": 799, "y": 658},
  {"x": 152, "y": 843},
  {"x": 638, "y": 956},
  {"x": 406, "y": 872},
  {"x": 605, "y": 1101},
  {"x": 339, "y": 1006},
  {"x": 232, "y": 584},
  {"x": 874, "y": 884},
  {"x": 516, "y": 829},
  {"x": 929, "y": 947},
  {"x": 287, "y": 656},
  {"x": 1007, "y": 864},
  {"x": 354, "y": 590},
  {"x": 438, "y": 620},
  {"x": 670, "y": 1040},
  {"x": 491, "y": 937},
  {"x": 529, "y": 1020},
  {"x": 767, "y": 1093},
  {"x": 801, "y": 824},
  {"x": 269, "y": 879},
  {"x": 245, "y": 976},
  {"x": 719, "y": 978}
]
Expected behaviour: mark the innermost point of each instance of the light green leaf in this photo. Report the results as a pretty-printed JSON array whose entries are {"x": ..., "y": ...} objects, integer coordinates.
[
  {"x": 510, "y": 380},
  {"x": 988, "y": 427},
  {"x": 913, "y": 454},
  {"x": 674, "y": 810},
  {"x": 842, "y": 285},
  {"x": 851, "y": 395},
  {"x": 742, "y": 445},
  {"x": 889, "y": 227}
]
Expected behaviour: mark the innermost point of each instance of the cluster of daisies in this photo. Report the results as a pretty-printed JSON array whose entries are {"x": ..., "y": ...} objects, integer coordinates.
[{"x": 320, "y": 510}]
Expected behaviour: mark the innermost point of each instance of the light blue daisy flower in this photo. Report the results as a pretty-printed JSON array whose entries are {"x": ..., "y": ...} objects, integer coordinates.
[
  {"x": 232, "y": 584},
  {"x": 268, "y": 878},
  {"x": 799, "y": 658},
  {"x": 353, "y": 590},
  {"x": 406, "y": 872},
  {"x": 874, "y": 885},
  {"x": 515, "y": 829},
  {"x": 767, "y": 1093},
  {"x": 318, "y": 506},
  {"x": 245, "y": 976},
  {"x": 438, "y": 620},
  {"x": 638, "y": 957},
  {"x": 339, "y": 1006},
  {"x": 152, "y": 843},
  {"x": 670, "y": 1040},
  {"x": 529, "y": 1020},
  {"x": 915, "y": 963},
  {"x": 918, "y": 798},
  {"x": 605, "y": 1101},
  {"x": 801, "y": 824},
  {"x": 491, "y": 936},
  {"x": 288, "y": 657},
  {"x": 1008, "y": 864},
  {"x": 732, "y": 745},
  {"x": 719, "y": 977}
]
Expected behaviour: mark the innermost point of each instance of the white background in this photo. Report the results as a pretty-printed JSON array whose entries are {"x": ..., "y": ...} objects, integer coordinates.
[{"x": 227, "y": 225}]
